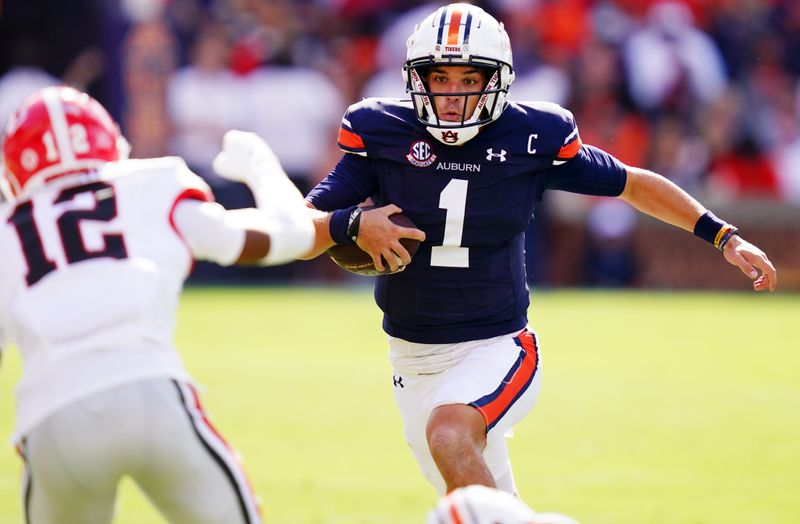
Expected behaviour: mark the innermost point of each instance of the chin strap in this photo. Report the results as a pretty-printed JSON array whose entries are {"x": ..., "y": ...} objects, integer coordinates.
[{"x": 491, "y": 84}]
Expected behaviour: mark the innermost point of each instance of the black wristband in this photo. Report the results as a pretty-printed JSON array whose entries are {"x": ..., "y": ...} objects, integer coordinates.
[
  {"x": 354, "y": 223},
  {"x": 709, "y": 227},
  {"x": 339, "y": 225}
]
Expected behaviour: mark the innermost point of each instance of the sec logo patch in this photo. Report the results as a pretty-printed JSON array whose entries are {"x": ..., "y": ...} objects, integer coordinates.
[{"x": 421, "y": 154}]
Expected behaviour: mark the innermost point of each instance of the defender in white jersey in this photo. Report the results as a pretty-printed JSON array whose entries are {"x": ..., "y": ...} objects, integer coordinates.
[{"x": 95, "y": 252}]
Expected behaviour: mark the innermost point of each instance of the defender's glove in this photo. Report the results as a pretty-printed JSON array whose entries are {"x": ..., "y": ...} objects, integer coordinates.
[
  {"x": 283, "y": 213},
  {"x": 246, "y": 158},
  {"x": 245, "y": 155}
]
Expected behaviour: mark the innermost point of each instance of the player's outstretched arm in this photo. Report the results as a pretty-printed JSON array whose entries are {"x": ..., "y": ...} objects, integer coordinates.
[
  {"x": 278, "y": 231},
  {"x": 246, "y": 158},
  {"x": 656, "y": 196}
]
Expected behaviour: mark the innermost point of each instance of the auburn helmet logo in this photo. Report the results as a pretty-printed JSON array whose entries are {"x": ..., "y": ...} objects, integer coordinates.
[{"x": 450, "y": 137}]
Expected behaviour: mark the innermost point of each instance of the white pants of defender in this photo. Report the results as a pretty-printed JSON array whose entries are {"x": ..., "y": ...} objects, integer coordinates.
[
  {"x": 499, "y": 376},
  {"x": 153, "y": 431}
]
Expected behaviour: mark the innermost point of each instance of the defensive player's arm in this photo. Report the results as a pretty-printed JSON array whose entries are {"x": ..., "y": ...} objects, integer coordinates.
[
  {"x": 239, "y": 236},
  {"x": 656, "y": 196},
  {"x": 277, "y": 231}
]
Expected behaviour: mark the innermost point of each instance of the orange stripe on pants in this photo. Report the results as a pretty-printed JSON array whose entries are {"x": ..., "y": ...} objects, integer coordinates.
[{"x": 494, "y": 405}]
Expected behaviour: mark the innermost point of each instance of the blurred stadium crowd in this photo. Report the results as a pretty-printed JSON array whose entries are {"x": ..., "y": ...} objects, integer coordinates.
[{"x": 705, "y": 92}]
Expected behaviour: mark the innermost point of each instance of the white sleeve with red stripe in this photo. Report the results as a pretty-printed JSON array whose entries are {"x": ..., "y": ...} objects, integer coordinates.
[{"x": 209, "y": 231}]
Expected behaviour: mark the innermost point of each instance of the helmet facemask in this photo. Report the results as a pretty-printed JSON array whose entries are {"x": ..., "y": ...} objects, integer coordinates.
[{"x": 425, "y": 101}]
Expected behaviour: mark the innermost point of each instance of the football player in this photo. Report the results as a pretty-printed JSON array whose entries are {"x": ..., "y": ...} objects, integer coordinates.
[
  {"x": 95, "y": 252},
  {"x": 469, "y": 166}
]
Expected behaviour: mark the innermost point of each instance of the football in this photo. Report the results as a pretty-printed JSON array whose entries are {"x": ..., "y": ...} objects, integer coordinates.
[{"x": 355, "y": 260}]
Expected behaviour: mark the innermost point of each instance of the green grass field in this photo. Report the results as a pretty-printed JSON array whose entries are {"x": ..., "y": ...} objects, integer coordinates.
[{"x": 656, "y": 408}]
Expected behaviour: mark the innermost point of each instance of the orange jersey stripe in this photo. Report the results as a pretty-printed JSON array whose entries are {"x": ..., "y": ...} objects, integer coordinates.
[
  {"x": 571, "y": 149},
  {"x": 497, "y": 407},
  {"x": 350, "y": 139},
  {"x": 453, "y": 29}
]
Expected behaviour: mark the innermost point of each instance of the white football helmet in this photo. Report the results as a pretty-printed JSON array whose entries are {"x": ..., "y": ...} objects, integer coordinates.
[
  {"x": 483, "y": 505},
  {"x": 459, "y": 34}
]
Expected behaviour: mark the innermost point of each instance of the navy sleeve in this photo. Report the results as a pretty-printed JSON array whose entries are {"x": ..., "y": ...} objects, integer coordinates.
[
  {"x": 591, "y": 171},
  {"x": 351, "y": 182}
]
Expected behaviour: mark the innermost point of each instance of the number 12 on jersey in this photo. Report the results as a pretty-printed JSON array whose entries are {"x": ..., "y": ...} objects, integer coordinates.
[
  {"x": 69, "y": 230},
  {"x": 453, "y": 199}
]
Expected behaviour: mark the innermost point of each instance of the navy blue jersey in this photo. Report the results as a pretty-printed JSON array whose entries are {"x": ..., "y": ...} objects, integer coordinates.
[{"x": 467, "y": 280}]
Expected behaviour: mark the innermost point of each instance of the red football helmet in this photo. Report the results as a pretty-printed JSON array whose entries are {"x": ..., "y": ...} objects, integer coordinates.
[{"x": 58, "y": 131}]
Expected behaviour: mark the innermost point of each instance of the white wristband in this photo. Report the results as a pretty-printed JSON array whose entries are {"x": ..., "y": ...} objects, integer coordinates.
[{"x": 285, "y": 216}]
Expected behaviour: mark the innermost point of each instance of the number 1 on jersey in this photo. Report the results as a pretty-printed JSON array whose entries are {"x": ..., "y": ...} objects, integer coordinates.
[{"x": 453, "y": 198}]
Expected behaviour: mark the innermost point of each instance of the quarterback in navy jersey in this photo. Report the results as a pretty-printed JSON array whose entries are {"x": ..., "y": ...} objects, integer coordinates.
[
  {"x": 484, "y": 191},
  {"x": 469, "y": 167}
]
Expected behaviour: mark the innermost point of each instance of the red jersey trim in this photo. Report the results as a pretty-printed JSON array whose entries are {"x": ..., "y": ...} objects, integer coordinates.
[{"x": 192, "y": 193}]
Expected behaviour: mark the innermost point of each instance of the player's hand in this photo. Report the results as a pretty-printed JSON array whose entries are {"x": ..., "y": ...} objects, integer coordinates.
[
  {"x": 753, "y": 262},
  {"x": 380, "y": 237},
  {"x": 245, "y": 157}
]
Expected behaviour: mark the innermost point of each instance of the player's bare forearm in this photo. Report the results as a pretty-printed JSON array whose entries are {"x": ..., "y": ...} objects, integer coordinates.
[
  {"x": 653, "y": 194},
  {"x": 656, "y": 196},
  {"x": 322, "y": 239}
]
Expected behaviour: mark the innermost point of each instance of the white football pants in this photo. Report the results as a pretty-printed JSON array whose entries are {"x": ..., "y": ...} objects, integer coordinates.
[
  {"x": 500, "y": 377},
  {"x": 154, "y": 431}
]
